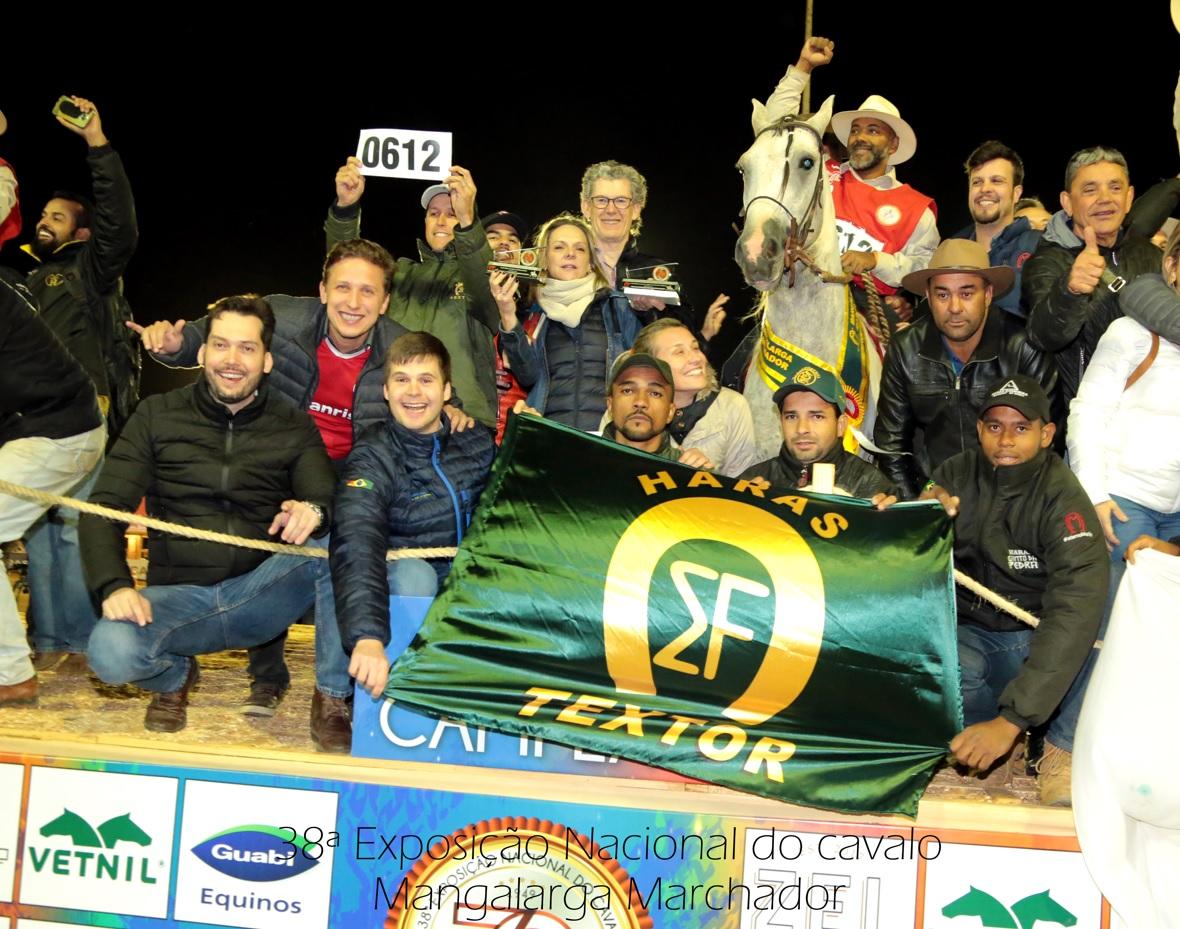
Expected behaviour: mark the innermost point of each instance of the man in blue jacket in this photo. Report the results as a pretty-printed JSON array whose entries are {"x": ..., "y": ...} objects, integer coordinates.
[
  {"x": 409, "y": 482},
  {"x": 995, "y": 178}
]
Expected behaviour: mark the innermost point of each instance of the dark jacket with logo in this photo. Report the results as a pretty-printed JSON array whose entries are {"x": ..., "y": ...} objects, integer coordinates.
[
  {"x": 78, "y": 287},
  {"x": 204, "y": 467},
  {"x": 446, "y": 294},
  {"x": 853, "y": 474},
  {"x": 922, "y": 398},
  {"x": 1029, "y": 533},
  {"x": 400, "y": 489},
  {"x": 43, "y": 389},
  {"x": 1068, "y": 324},
  {"x": 301, "y": 324},
  {"x": 1016, "y": 243}
]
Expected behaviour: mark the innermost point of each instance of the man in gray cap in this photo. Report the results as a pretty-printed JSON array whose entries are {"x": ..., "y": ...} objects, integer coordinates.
[
  {"x": 1025, "y": 526},
  {"x": 936, "y": 372},
  {"x": 813, "y": 424},
  {"x": 886, "y": 228},
  {"x": 445, "y": 292}
]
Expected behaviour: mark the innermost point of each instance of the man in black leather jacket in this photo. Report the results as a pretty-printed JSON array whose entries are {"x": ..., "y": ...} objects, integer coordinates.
[{"x": 937, "y": 371}]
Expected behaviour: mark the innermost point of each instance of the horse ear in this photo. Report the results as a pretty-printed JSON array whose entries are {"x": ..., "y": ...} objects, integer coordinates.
[
  {"x": 819, "y": 122},
  {"x": 759, "y": 119}
]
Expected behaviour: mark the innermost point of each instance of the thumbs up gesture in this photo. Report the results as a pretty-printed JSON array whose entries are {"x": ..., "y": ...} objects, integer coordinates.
[{"x": 1087, "y": 267}]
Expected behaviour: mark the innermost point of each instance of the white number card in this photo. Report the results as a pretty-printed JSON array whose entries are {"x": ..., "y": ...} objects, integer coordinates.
[{"x": 408, "y": 153}]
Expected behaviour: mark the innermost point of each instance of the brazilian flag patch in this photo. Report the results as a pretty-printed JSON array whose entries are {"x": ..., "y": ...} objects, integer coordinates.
[{"x": 360, "y": 482}]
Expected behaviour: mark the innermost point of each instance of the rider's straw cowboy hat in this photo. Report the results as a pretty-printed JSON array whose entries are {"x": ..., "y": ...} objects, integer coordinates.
[
  {"x": 961, "y": 256},
  {"x": 877, "y": 107}
]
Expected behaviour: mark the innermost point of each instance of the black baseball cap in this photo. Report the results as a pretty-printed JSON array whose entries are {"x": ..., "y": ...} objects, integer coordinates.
[
  {"x": 505, "y": 218},
  {"x": 1020, "y": 392}
]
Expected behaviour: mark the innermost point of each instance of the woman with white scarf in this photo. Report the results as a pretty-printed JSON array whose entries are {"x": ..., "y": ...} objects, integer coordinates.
[{"x": 584, "y": 326}]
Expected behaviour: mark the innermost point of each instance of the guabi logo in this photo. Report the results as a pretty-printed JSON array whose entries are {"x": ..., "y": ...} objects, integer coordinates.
[
  {"x": 255, "y": 853},
  {"x": 95, "y": 853}
]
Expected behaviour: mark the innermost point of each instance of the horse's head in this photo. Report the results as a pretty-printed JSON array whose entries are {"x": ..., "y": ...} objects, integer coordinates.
[{"x": 783, "y": 178}]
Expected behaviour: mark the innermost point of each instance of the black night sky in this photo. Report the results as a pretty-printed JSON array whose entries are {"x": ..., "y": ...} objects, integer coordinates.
[{"x": 232, "y": 129}]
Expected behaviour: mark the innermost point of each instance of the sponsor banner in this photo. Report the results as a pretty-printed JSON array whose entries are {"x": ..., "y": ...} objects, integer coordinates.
[
  {"x": 355, "y": 854},
  {"x": 11, "y": 794},
  {"x": 971, "y": 886},
  {"x": 382, "y": 729},
  {"x": 99, "y": 841},
  {"x": 698, "y": 623},
  {"x": 242, "y": 861}
]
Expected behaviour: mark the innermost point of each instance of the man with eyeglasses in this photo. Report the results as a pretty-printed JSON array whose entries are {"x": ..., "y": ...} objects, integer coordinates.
[{"x": 613, "y": 197}]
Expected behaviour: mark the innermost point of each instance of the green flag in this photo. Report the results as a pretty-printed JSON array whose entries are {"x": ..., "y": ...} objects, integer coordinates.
[{"x": 794, "y": 645}]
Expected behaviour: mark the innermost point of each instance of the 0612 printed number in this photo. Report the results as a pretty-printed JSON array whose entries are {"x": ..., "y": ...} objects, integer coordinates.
[{"x": 386, "y": 152}]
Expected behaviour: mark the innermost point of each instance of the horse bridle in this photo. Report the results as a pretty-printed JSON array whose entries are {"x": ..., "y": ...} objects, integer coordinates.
[{"x": 795, "y": 245}]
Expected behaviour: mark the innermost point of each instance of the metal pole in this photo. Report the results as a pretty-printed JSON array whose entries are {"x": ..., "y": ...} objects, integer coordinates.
[{"x": 807, "y": 35}]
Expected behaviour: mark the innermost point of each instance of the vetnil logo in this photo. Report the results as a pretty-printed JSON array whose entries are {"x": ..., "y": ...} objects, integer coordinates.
[
  {"x": 1023, "y": 914},
  {"x": 99, "y": 841},
  {"x": 94, "y": 852},
  {"x": 256, "y": 853}
]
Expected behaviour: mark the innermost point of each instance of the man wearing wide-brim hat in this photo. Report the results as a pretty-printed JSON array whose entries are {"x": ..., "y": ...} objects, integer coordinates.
[
  {"x": 936, "y": 372},
  {"x": 885, "y": 226}
]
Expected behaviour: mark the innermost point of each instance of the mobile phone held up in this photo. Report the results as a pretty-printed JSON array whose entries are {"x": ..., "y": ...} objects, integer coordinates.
[{"x": 68, "y": 110}]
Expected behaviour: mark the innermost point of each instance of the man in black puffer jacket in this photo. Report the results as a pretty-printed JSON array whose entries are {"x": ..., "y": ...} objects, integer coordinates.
[
  {"x": 411, "y": 482},
  {"x": 813, "y": 423},
  {"x": 1086, "y": 256},
  {"x": 226, "y": 454},
  {"x": 937, "y": 372}
]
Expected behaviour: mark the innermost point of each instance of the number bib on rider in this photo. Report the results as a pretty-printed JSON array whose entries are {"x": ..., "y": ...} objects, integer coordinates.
[
  {"x": 854, "y": 239},
  {"x": 409, "y": 153}
]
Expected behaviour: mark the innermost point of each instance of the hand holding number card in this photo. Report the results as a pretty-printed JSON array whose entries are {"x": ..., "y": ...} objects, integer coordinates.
[{"x": 410, "y": 153}]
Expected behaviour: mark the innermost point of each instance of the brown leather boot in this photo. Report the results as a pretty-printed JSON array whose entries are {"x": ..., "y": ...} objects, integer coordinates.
[
  {"x": 22, "y": 694},
  {"x": 169, "y": 712},
  {"x": 331, "y": 723}
]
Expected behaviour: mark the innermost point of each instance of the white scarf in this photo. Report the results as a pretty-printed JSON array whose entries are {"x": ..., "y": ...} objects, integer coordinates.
[{"x": 566, "y": 301}]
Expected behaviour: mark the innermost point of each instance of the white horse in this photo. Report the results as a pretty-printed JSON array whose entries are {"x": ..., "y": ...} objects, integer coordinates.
[{"x": 790, "y": 230}]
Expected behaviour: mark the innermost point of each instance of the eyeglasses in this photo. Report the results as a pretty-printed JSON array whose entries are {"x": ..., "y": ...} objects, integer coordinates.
[{"x": 621, "y": 203}]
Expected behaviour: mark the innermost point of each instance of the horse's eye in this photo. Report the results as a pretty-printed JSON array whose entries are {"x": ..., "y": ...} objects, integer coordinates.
[
  {"x": 807, "y": 164},
  {"x": 740, "y": 170}
]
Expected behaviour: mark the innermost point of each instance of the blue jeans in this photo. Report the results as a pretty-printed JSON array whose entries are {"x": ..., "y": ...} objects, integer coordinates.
[
  {"x": 191, "y": 619},
  {"x": 408, "y": 577},
  {"x": 59, "y": 603},
  {"x": 988, "y": 661},
  {"x": 54, "y": 465},
  {"x": 1140, "y": 521}
]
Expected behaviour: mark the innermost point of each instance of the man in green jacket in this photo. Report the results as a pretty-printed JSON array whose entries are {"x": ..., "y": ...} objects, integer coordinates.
[{"x": 445, "y": 292}]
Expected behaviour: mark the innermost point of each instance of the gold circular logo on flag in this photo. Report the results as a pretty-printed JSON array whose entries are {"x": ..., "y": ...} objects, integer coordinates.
[
  {"x": 795, "y": 601},
  {"x": 512, "y": 873},
  {"x": 54, "y": 280}
]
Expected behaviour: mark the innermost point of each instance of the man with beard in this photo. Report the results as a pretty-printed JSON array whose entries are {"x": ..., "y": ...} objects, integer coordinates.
[
  {"x": 82, "y": 249},
  {"x": 813, "y": 423},
  {"x": 937, "y": 372},
  {"x": 506, "y": 233},
  {"x": 886, "y": 227},
  {"x": 640, "y": 407},
  {"x": 224, "y": 454},
  {"x": 995, "y": 175}
]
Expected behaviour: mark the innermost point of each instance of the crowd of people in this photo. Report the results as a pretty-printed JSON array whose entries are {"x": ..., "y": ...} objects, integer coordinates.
[{"x": 367, "y": 416}]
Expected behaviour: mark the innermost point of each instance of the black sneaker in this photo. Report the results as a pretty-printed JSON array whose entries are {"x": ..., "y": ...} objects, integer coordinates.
[{"x": 264, "y": 699}]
